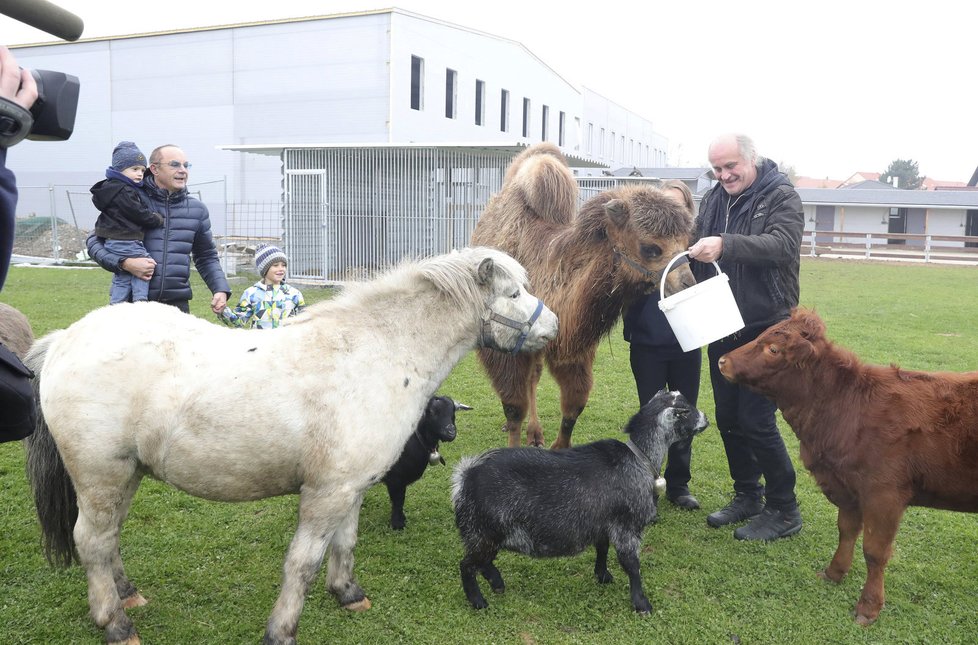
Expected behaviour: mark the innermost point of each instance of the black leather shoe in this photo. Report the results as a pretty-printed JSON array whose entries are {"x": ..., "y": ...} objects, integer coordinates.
[
  {"x": 771, "y": 524},
  {"x": 684, "y": 501},
  {"x": 741, "y": 507}
]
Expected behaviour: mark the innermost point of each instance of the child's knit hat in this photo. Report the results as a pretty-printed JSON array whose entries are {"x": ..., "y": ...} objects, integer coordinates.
[
  {"x": 266, "y": 255},
  {"x": 127, "y": 154}
]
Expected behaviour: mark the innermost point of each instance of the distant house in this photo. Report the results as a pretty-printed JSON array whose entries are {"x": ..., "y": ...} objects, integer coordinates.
[
  {"x": 812, "y": 182},
  {"x": 941, "y": 184},
  {"x": 858, "y": 177},
  {"x": 864, "y": 208}
]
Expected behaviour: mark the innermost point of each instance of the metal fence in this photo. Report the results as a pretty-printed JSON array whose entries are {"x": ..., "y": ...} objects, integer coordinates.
[{"x": 372, "y": 209}]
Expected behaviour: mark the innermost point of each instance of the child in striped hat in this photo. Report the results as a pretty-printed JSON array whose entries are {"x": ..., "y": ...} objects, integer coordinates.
[{"x": 268, "y": 302}]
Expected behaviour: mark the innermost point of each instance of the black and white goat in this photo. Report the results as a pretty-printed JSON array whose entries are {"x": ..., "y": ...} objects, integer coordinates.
[
  {"x": 421, "y": 450},
  {"x": 547, "y": 503}
]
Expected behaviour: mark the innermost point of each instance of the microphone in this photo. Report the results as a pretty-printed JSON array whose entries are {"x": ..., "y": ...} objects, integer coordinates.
[{"x": 45, "y": 16}]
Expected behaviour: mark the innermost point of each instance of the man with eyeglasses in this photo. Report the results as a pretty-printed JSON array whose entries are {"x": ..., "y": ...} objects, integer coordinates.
[{"x": 186, "y": 231}]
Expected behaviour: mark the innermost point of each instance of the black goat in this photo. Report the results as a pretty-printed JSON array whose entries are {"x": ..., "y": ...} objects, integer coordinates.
[
  {"x": 421, "y": 450},
  {"x": 547, "y": 503}
]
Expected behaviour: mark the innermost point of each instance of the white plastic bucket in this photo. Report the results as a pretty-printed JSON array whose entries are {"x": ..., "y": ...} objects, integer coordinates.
[{"x": 703, "y": 313}]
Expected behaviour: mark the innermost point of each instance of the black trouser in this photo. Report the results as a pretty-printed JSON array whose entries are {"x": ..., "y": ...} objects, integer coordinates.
[
  {"x": 655, "y": 369},
  {"x": 750, "y": 435}
]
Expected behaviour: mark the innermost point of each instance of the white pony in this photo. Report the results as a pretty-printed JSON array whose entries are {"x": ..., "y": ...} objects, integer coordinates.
[{"x": 143, "y": 389}]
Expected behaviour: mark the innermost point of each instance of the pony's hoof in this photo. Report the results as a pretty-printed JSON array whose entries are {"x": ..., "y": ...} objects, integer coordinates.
[
  {"x": 135, "y": 600},
  {"x": 360, "y": 605},
  {"x": 132, "y": 640}
]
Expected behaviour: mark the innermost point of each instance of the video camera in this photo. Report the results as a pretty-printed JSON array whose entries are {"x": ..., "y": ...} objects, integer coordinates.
[{"x": 52, "y": 117}]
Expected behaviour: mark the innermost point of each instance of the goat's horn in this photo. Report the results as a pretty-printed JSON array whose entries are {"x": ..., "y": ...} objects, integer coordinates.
[{"x": 462, "y": 406}]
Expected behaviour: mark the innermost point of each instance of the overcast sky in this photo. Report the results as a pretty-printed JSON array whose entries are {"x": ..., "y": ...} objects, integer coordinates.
[{"x": 831, "y": 87}]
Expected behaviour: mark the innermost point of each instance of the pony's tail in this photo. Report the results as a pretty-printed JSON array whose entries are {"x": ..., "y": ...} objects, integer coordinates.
[
  {"x": 540, "y": 174},
  {"x": 54, "y": 494}
]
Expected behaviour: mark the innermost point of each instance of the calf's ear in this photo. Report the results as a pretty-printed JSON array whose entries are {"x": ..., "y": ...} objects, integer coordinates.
[{"x": 798, "y": 350}]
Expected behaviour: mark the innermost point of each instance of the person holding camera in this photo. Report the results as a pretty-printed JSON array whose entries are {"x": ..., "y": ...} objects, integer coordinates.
[
  {"x": 186, "y": 233},
  {"x": 18, "y": 91}
]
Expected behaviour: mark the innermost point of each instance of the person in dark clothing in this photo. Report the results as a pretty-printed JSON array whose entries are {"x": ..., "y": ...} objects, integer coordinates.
[
  {"x": 751, "y": 223},
  {"x": 123, "y": 218},
  {"x": 658, "y": 361},
  {"x": 18, "y": 91},
  {"x": 186, "y": 234}
]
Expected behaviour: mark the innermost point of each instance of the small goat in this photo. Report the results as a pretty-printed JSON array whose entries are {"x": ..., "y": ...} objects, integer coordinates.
[
  {"x": 547, "y": 503},
  {"x": 421, "y": 450}
]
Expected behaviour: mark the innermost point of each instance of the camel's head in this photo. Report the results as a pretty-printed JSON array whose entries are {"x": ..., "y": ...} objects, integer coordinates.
[{"x": 647, "y": 228}]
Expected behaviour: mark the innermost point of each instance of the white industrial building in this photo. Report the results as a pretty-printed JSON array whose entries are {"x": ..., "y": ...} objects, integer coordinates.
[{"x": 421, "y": 109}]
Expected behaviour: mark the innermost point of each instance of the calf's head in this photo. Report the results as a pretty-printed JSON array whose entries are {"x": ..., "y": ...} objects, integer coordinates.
[{"x": 786, "y": 345}]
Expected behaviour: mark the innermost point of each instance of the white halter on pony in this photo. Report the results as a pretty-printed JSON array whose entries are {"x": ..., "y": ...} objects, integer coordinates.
[{"x": 142, "y": 388}]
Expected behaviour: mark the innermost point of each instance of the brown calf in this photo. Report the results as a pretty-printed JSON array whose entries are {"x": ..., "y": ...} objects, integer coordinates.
[{"x": 876, "y": 439}]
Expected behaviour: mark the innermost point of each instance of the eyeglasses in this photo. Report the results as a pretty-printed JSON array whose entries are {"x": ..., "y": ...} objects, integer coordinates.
[{"x": 174, "y": 164}]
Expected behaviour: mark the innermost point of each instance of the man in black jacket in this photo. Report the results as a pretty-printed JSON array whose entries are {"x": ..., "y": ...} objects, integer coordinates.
[
  {"x": 186, "y": 232},
  {"x": 751, "y": 223}
]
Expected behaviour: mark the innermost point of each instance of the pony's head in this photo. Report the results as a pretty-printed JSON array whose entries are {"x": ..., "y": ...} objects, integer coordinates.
[{"x": 511, "y": 318}]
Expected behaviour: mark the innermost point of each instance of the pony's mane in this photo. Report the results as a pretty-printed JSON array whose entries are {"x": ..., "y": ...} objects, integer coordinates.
[{"x": 452, "y": 274}]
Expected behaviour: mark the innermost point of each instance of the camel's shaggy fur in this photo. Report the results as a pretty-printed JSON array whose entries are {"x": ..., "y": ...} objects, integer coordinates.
[{"x": 586, "y": 266}]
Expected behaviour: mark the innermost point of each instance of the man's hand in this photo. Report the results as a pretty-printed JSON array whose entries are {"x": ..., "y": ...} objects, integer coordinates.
[
  {"x": 219, "y": 302},
  {"x": 707, "y": 249},
  {"x": 142, "y": 268},
  {"x": 16, "y": 84}
]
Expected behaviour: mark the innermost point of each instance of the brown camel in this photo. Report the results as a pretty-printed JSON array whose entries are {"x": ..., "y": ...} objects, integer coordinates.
[{"x": 587, "y": 267}]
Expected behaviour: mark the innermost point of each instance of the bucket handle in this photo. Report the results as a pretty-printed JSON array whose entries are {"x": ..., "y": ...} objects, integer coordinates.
[{"x": 662, "y": 281}]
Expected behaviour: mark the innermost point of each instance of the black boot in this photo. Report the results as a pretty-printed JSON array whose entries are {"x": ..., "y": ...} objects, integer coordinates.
[
  {"x": 771, "y": 524},
  {"x": 741, "y": 507},
  {"x": 683, "y": 499}
]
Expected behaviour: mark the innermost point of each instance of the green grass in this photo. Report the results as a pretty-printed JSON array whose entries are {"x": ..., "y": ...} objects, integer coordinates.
[{"x": 212, "y": 571}]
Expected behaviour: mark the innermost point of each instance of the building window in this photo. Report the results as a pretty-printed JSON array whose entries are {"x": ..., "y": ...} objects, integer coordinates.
[
  {"x": 589, "y": 139},
  {"x": 451, "y": 93},
  {"x": 504, "y": 111},
  {"x": 601, "y": 143},
  {"x": 417, "y": 83},
  {"x": 480, "y": 102},
  {"x": 561, "y": 118},
  {"x": 526, "y": 118},
  {"x": 545, "y": 115}
]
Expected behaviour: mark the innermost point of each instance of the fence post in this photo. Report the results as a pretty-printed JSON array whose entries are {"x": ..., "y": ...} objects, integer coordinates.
[
  {"x": 55, "y": 247},
  {"x": 869, "y": 244},
  {"x": 927, "y": 248}
]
